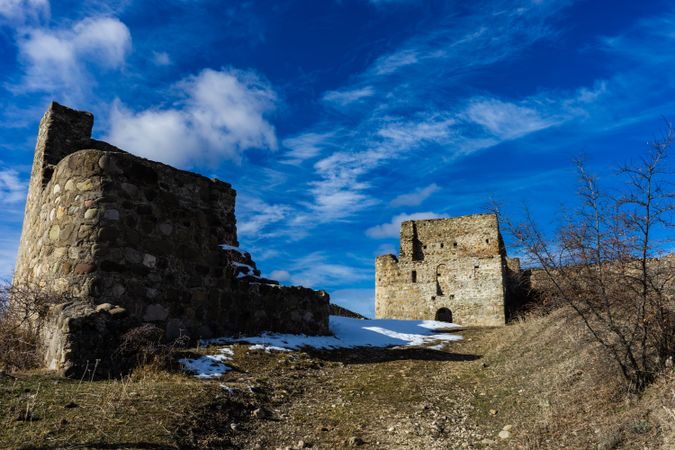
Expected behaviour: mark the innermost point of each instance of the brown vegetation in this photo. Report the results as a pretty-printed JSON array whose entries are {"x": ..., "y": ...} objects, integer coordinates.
[
  {"x": 23, "y": 310},
  {"x": 604, "y": 264}
]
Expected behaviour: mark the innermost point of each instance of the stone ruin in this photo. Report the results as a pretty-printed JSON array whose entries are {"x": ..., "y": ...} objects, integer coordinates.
[
  {"x": 452, "y": 269},
  {"x": 127, "y": 241}
]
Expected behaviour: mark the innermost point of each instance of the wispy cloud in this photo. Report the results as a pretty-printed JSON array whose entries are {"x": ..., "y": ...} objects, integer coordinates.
[
  {"x": 487, "y": 32},
  {"x": 256, "y": 216},
  {"x": 399, "y": 116},
  {"x": 318, "y": 271},
  {"x": 648, "y": 41},
  {"x": 161, "y": 58},
  {"x": 478, "y": 123},
  {"x": 305, "y": 146},
  {"x": 347, "y": 97},
  {"x": 507, "y": 120},
  {"x": 339, "y": 193},
  {"x": 393, "y": 228},
  {"x": 391, "y": 63},
  {"x": 12, "y": 188},
  {"x": 416, "y": 197},
  {"x": 221, "y": 115}
]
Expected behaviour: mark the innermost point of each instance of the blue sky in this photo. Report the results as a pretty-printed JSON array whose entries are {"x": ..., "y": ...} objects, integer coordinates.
[{"x": 336, "y": 119}]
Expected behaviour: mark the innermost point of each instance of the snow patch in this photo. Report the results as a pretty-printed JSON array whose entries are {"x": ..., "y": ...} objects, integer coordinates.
[
  {"x": 235, "y": 249},
  {"x": 354, "y": 333},
  {"x": 269, "y": 348},
  {"x": 249, "y": 270},
  {"x": 209, "y": 366},
  {"x": 347, "y": 333},
  {"x": 437, "y": 325}
]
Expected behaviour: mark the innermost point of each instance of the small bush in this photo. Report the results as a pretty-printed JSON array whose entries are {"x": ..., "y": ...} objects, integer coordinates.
[
  {"x": 23, "y": 310},
  {"x": 145, "y": 346}
]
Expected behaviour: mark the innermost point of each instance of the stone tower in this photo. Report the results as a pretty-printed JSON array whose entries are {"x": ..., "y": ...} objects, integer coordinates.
[
  {"x": 449, "y": 269},
  {"x": 128, "y": 241}
]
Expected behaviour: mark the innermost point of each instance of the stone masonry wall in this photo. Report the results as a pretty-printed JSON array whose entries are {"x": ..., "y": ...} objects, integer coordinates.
[
  {"x": 446, "y": 267},
  {"x": 104, "y": 227}
]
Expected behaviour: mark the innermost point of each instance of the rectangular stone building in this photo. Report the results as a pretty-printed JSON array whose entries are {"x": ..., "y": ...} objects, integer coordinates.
[{"x": 454, "y": 270}]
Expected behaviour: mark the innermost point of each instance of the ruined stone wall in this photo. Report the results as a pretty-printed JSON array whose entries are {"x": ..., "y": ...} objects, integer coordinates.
[
  {"x": 454, "y": 266},
  {"x": 160, "y": 244}
]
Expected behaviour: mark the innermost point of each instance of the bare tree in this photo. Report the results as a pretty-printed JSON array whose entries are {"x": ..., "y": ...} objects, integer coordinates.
[{"x": 607, "y": 264}]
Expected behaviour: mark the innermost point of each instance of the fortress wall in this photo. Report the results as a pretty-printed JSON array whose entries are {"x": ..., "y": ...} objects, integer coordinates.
[
  {"x": 109, "y": 228},
  {"x": 455, "y": 263},
  {"x": 115, "y": 228}
]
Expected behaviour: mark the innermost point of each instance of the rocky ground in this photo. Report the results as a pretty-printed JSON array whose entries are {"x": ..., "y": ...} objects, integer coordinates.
[{"x": 371, "y": 398}]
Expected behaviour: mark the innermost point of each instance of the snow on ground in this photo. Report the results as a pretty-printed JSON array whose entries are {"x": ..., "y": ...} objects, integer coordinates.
[
  {"x": 347, "y": 333},
  {"x": 269, "y": 348},
  {"x": 209, "y": 366},
  {"x": 352, "y": 333}
]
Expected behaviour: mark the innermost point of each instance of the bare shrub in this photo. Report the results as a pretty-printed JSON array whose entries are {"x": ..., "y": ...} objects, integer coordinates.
[
  {"x": 23, "y": 310},
  {"x": 145, "y": 345},
  {"x": 605, "y": 264}
]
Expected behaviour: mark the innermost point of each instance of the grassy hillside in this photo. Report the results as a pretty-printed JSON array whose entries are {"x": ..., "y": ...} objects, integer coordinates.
[{"x": 546, "y": 376}]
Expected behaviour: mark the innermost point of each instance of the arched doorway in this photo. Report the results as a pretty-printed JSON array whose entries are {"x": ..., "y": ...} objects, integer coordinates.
[{"x": 444, "y": 315}]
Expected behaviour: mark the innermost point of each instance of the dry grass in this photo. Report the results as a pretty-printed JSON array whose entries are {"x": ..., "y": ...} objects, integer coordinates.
[
  {"x": 563, "y": 391},
  {"x": 152, "y": 409}
]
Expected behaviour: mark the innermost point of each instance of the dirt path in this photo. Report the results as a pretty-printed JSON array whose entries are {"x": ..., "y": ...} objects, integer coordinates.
[{"x": 380, "y": 398}]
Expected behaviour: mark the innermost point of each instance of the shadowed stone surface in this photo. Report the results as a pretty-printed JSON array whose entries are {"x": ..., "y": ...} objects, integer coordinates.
[{"x": 104, "y": 226}]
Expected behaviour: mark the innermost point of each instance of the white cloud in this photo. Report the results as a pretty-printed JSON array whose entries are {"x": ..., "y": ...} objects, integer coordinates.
[
  {"x": 339, "y": 193},
  {"x": 58, "y": 60},
  {"x": 393, "y": 228},
  {"x": 317, "y": 271},
  {"x": 508, "y": 120},
  {"x": 347, "y": 97},
  {"x": 223, "y": 114},
  {"x": 17, "y": 12},
  {"x": 12, "y": 189},
  {"x": 161, "y": 59},
  {"x": 395, "y": 61},
  {"x": 415, "y": 198},
  {"x": 257, "y": 215},
  {"x": 304, "y": 146},
  {"x": 103, "y": 40},
  {"x": 404, "y": 135}
]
